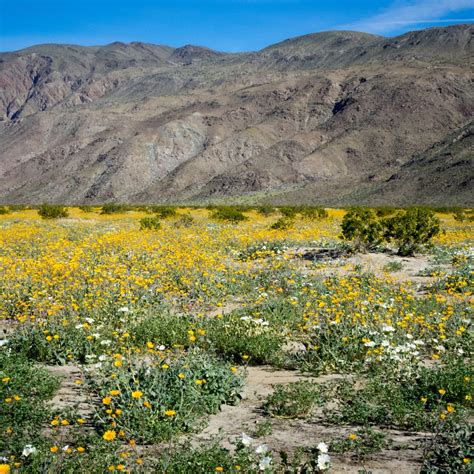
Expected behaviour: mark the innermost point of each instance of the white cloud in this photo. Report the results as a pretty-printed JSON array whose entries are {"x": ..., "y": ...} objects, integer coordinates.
[{"x": 413, "y": 13}]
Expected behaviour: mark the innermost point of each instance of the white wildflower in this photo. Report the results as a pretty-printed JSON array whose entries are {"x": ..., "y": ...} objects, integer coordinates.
[
  {"x": 261, "y": 449},
  {"x": 28, "y": 449},
  {"x": 265, "y": 463},
  {"x": 324, "y": 461},
  {"x": 246, "y": 439},
  {"x": 322, "y": 447}
]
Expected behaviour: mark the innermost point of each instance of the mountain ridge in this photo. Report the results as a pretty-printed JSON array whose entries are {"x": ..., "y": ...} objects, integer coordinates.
[{"x": 325, "y": 111}]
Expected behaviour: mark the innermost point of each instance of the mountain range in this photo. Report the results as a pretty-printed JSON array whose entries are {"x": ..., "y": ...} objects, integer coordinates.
[{"x": 335, "y": 118}]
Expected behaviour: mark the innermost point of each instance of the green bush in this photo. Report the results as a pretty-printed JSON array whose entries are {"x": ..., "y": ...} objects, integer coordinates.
[
  {"x": 184, "y": 220},
  {"x": 165, "y": 394},
  {"x": 288, "y": 211},
  {"x": 52, "y": 211},
  {"x": 266, "y": 210},
  {"x": 4, "y": 210},
  {"x": 284, "y": 223},
  {"x": 294, "y": 400},
  {"x": 86, "y": 208},
  {"x": 164, "y": 211},
  {"x": 411, "y": 229},
  {"x": 150, "y": 223},
  {"x": 24, "y": 388},
  {"x": 113, "y": 208},
  {"x": 309, "y": 212},
  {"x": 362, "y": 227},
  {"x": 229, "y": 214}
]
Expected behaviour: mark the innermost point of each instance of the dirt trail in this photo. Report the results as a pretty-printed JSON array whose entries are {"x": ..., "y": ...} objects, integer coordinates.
[
  {"x": 289, "y": 435},
  {"x": 70, "y": 394},
  {"x": 371, "y": 262}
]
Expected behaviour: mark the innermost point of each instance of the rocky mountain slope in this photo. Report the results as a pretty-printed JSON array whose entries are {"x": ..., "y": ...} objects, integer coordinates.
[{"x": 331, "y": 118}]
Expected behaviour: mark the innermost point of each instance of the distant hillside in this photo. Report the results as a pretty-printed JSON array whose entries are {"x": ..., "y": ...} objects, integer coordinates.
[{"x": 332, "y": 118}]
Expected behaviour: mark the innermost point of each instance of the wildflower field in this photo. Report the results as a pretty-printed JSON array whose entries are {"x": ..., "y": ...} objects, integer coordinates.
[{"x": 194, "y": 343}]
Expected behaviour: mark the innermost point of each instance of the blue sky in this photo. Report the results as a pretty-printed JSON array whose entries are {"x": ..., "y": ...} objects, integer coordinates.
[{"x": 227, "y": 25}]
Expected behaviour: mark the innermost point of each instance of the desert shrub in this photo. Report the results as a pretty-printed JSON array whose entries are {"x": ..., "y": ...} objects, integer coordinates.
[
  {"x": 288, "y": 211},
  {"x": 150, "y": 223},
  {"x": 45, "y": 345},
  {"x": 266, "y": 210},
  {"x": 414, "y": 401},
  {"x": 243, "y": 338},
  {"x": 166, "y": 394},
  {"x": 310, "y": 212},
  {"x": 294, "y": 400},
  {"x": 4, "y": 210},
  {"x": 164, "y": 211},
  {"x": 229, "y": 214},
  {"x": 52, "y": 211},
  {"x": 18, "y": 207},
  {"x": 411, "y": 229},
  {"x": 113, "y": 208},
  {"x": 384, "y": 211},
  {"x": 459, "y": 215},
  {"x": 209, "y": 458},
  {"x": 86, "y": 208},
  {"x": 362, "y": 443},
  {"x": 23, "y": 390},
  {"x": 450, "y": 451},
  {"x": 284, "y": 223},
  {"x": 184, "y": 220},
  {"x": 362, "y": 227},
  {"x": 164, "y": 328},
  {"x": 393, "y": 267}
]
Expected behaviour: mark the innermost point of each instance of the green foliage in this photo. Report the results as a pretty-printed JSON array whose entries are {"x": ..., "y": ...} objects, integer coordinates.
[
  {"x": 4, "y": 210},
  {"x": 411, "y": 401},
  {"x": 412, "y": 228},
  {"x": 362, "y": 227},
  {"x": 240, "y": 338},
  {"x": 263, "y": 428},
  {"x": 52, "y": 211},
  {"x": 384, "y": 211},
  {"x": 362, "y": 443},
  {"x": 150, "y": 223},
  {"x": 45, "y": 344},
  {"x": 288, "y": 211},
  {"x": 168, "y": 328},
  {"x": 165, "y": 394},
  {"x": 283, "y": 223},
  {"x": 164, "y": 212},
  {"x": 18, "y": 207},
  {"x": 294, "y": 400},
  {"x": 86, "y": 209},
  {"x": 184, "y": 220},
  {"x": 393, "y": 267},
  {"x": 24, "y": 389},
  {"x": 261, "y": 250},
  {"x": 206, "y": 459},
  {"x": 313, "y": 213},
  {"x": 113, "y": 208},
  {"x": 266, "y": 210},
  {"x": 450, "y": 451},
  {"x": 229, "y": 214}
]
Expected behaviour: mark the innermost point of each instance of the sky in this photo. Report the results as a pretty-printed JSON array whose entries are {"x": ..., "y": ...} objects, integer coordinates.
[{"x": 225, "y": 25}]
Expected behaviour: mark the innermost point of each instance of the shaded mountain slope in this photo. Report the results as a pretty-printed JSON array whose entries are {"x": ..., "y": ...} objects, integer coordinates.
[{"x": 337, "y": 117}]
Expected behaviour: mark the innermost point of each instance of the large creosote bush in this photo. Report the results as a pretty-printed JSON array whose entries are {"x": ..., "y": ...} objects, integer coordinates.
[
  {"x": 52, "y": 211},
  {"x": 113, "y": 208},
  {"x": 229, "y": 214},
  {"x": 150, "y": 223},
  {"x": 412, "y": 228},
  {"x": 362, "y": 227}
]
